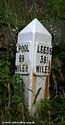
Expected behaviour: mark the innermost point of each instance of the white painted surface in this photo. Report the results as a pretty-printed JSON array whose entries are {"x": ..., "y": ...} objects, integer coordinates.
[
  {"x": 40, "y": 84},
  {"x": 32, "y": 38},
  {"x": 35, "y": 27},
  {"x": 23, "y": 58},
  {"x": 42, "y": 58}
]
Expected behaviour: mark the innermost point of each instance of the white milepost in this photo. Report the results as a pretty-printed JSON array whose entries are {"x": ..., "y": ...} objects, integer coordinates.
[{"x": 33, "y": 60}]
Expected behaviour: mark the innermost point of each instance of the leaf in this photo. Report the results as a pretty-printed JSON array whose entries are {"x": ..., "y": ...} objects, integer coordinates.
[
  {"x": 31, "y": 90},
  {"x": 36, "y": 96}
]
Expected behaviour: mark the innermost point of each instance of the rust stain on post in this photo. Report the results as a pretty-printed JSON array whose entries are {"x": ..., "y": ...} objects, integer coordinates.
[
  {"x": 34, "y": 77},
  {"x": 46, "y": 88},
  {"x": 46, "y": 91}
]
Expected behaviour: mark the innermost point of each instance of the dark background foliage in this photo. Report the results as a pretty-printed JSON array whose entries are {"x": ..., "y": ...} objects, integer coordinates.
[{"x": 14, "y": 16}]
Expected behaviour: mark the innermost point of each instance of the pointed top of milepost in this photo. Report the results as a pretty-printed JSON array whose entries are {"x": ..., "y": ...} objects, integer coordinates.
[{"x": 35, "y": 27}]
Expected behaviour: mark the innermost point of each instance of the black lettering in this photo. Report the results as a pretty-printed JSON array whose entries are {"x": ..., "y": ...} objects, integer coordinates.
[
  {"x": 41, "y": 49},
  {"x": 23, "y": 68},
  {"x": 41, "y": 61},
  {"x": 26, "y": 68},
  {"x": 42, "y": 69},
  {"x": 21, "y": 58},
  {"x": 27, "y": 49},
  {"x": 24, "y": 48},
  {"x": 38, "y": 50},
  {"x": 37, "y": 69},
  {"x": 45, "y": 69},
  {"x": 47, "y": 50},
  {"x": 44, "y": 49},
  {"x": 19, "y": 48},
  {"x": 47, "y": 59},
  {"x": 44, "y": 59},
  {"x": 50, "y": 51}
]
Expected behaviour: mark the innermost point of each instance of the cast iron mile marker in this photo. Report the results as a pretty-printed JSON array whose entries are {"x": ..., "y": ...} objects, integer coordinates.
[{"x": 33, "y": 60}]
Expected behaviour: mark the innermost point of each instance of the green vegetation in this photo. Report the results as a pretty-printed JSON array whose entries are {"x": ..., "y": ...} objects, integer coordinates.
[{"x": 14, "y": 15}]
